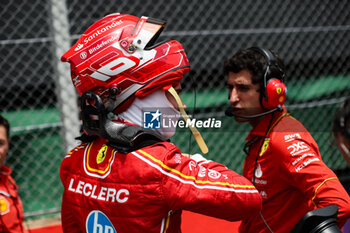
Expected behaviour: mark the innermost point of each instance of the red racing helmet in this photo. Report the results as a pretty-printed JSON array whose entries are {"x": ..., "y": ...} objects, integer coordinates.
[{"x": 117, "y": 58}]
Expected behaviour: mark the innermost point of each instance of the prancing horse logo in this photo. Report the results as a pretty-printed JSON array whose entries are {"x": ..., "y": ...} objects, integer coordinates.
[{"x": 101, "y": 154}]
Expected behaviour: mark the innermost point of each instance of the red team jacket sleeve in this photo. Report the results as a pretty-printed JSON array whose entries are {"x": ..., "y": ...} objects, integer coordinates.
[
  {"x": 69, "y": 224},
  {"x": 207, "y": 187},
  {"x": 303, "y": 168}
]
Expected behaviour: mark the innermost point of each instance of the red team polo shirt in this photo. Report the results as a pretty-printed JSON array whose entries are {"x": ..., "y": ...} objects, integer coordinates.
[
  {"x": 290, "y": 175},
  {"x": 11, "y": 209}
]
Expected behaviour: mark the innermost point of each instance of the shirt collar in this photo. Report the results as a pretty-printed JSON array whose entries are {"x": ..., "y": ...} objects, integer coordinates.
[{"x": 261, "y": 128}]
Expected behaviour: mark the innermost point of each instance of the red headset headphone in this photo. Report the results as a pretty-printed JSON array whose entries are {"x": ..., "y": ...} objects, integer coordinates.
[{"x": 274, "y": 91}]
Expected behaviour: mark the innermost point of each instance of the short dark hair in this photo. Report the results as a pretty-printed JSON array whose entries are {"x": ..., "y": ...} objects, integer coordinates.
[
  {"x": 252, "y": 60},
  {"x": 6, "y": 124}
]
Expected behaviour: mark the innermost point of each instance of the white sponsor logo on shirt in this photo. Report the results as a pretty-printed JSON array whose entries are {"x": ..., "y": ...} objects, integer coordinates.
[
  {"x": 298, "y": 148},
  {"x": 291, "y": 137}
]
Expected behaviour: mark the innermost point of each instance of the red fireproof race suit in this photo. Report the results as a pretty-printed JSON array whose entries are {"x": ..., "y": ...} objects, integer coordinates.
[
  {"x": 290, "y": 175},
  {"x": 145, "y": 190},
  {"x": 11, "y": 209}
]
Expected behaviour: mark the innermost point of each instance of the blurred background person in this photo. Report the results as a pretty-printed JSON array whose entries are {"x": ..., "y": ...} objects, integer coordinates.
[
  {"x": 11, "y": 209},
  {"x": 341, "y": 132},
  {"x": 341, "y": 129}
]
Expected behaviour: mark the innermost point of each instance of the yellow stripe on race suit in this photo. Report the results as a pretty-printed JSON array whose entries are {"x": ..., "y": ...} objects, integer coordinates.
[
  {"x": 192, "y": 177},
  {"x": 332, "y": 178},
  {"x": 193, "y": 129}
]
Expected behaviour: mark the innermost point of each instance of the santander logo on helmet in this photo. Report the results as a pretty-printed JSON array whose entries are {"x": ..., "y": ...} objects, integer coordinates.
[
  {"x": 101, "y": 31},
  {"x": 119, "y": 52}
]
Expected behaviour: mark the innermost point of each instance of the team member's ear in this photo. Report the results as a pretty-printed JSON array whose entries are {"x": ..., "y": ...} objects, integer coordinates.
[{"x": 276, "y": 92}]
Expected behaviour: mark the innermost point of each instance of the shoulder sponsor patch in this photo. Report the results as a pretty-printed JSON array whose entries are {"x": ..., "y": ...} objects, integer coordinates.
[
  {"x": 305, "y": 164},
  {"x": 4, "y": 206},
  {"x": 291, "y": 137},
  {"x": 298, "y": 148},
  {"x": 302, "y": 157}
]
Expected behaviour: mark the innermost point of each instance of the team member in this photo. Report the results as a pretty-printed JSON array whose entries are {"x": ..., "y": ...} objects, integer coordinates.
[
  {"x": 341, "y": 132},
  {"x": 341, "y": 129},
  {"x": 126, "y": 178},
  {"x": 283, "y": 160},
  {"x": 11, "y": 209}
]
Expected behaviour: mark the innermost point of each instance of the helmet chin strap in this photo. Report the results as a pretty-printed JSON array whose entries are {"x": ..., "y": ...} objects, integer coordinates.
[{"x": 193, "y": 129}]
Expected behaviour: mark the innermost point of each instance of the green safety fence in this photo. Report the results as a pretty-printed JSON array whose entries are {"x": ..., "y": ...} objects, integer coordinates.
[{"x": 36, "y": 147}]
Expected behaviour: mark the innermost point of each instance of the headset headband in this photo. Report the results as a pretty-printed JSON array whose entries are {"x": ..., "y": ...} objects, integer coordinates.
[{"x": 273, "y": 70}]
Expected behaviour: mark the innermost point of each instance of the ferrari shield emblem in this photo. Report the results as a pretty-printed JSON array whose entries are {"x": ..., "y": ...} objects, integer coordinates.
[
  {"x": 4, "y": 206},
  {"x": 265, "y": 146}
]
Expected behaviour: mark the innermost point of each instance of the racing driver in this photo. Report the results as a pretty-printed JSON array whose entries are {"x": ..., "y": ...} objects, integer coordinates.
[{"x": 125, "y": 177}]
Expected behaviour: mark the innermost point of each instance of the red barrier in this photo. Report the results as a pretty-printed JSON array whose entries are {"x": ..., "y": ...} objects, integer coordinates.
[{"x": 52, "y": 229}]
